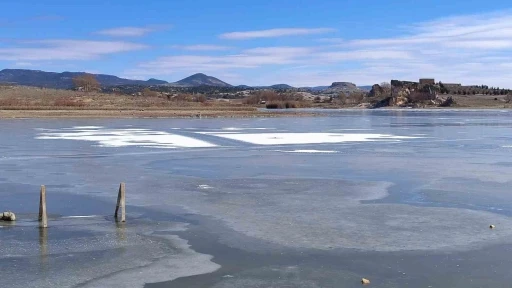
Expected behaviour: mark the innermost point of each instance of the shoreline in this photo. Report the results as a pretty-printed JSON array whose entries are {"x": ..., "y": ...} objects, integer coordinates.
[
  {"x": 202, "y": 113},
  {"x": 148, "y": 113}
]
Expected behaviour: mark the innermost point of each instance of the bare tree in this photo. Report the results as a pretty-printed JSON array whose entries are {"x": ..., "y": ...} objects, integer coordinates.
[
  {"x": 508, "y": 98},
  {"x": 146, "y": 92},
  {"x": 357, "y": 98},
  {"x": 86, "y": 82},
  {"x": 343, "y": 98}
]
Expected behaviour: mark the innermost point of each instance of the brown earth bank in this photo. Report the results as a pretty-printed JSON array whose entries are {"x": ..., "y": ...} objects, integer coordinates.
[{"x": 146, "y": 113}]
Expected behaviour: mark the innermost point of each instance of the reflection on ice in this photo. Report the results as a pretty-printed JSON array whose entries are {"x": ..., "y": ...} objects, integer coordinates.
[{"x": 105, "y": 254}]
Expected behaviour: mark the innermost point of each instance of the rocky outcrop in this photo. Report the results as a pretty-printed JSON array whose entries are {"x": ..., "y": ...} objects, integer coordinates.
[
  {"x": 377, "y": 91},
  {"x": 401, "y": 97},
  {"x": 7, "y": 216},
  {"x": 443, "y": 101},
  {"x": 338, "y": 87}
]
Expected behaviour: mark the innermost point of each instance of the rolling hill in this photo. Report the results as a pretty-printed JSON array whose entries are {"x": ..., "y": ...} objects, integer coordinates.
[
  {"x": 200, "y": 79},
  {"x": 64, "y": 80}
]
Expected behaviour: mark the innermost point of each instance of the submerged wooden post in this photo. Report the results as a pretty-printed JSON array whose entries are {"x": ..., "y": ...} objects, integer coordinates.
[
  {"x": 43, "y": 218},
  {"x": 121, "y": 203}
]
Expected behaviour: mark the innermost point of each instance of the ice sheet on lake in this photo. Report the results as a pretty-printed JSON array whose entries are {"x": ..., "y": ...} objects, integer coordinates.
[
  {"x": 125, "y": 137},
  {"x": 309, "y": 138},
  {"x": 310, "y": 151},
  {"x": 245, "y": 128},
  {"x": 329, "y": 214},
  {"x": 105, "y": 255}
]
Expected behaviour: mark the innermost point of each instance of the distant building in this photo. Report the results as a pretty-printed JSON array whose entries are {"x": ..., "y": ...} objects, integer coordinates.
[
  {"x": 427, "y": 81},
  {"x": 452, "y": 84}
]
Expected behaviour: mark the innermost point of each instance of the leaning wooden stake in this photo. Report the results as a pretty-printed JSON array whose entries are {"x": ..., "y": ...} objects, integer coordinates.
[
  {"x": 43, "y": 218},
  {"x": 121, "y": 203}
]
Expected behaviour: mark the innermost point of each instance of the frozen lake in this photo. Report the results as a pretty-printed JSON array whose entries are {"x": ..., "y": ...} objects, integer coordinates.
[{"x": 404, "y": 198}]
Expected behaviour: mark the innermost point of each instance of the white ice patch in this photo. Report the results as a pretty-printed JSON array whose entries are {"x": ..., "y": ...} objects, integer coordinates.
[
  {"x": 205, "y": 187},
  {"x": 213, "y": 133},
  {"x": 309, "y": 138},
  {"x": 507, "y": 146},
  {"x": 85, "y": 128},
  {"x": 311, "y": 151},
  {"x": 125, "y": 137},
  {"x": 350, "y": 129}
]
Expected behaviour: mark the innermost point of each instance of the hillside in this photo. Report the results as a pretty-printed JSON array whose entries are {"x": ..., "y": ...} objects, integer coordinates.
[
  {"x": 63, "y": 80},
  {"x": 200, "y": 79}
]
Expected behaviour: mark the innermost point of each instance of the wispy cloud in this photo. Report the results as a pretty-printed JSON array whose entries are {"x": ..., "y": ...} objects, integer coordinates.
[
  {"x": 271, "y": 33},
  {"x": 40, "y": 50},
  {"x": 23, "y": 64},
  {"x": 129, "y": 31},
  {"x": 471, "y": 49},
  {"x": 202, "y": 47}
]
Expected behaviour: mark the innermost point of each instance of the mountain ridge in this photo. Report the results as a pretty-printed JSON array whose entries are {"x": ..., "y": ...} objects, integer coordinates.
[
  {"x": 200, "y": 79},
  {"x": 64, "y": 80}
]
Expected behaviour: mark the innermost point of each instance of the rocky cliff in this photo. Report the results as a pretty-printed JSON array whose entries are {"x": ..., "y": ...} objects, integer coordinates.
[{"x": 338, "y": 87}]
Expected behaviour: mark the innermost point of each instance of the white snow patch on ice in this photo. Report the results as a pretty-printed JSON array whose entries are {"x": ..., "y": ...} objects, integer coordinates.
[
  {"x": 125, "y": 137},
  {"x": 213, "y": 133},
  {"x": 353, "y": 129},
  {"x": 310, "y": 138},
  {"x": 85, "y": 127},
  {"x": 204, "y": 187},
  {"x": 507, "y": 146}
]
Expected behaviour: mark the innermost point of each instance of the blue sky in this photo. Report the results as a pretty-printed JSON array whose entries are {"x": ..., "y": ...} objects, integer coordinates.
[{"x": 301, "y": 43}]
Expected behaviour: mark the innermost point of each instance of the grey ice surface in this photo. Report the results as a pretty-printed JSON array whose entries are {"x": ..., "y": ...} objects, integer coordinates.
[
  {"x": 437, "y": 193},
  {"x": 96, "y": 253}
]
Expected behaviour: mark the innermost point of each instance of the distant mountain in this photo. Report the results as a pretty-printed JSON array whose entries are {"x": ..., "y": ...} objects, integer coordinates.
[
  {"x": 281, "y": 86},
  {"x": 275, "y": 86},
  {"x": 200, "y": 79},
  {"x": 338, "y": 87},
  {"x": 316, "y": 88},
  {"x": 365, "y": 88},
  {"x": 154, "y": 81},
  {"x": 64, "y": 80}
]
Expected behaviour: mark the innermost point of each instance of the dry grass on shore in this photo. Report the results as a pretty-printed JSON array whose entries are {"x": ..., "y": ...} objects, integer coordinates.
[
  {"x": 30, "y": 98},
  {"x": 482, "y": 101},
  {"x": 22, "y": 102}
]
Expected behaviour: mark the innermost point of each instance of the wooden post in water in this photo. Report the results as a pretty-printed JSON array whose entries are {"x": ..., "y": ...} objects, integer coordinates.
[
  {"x": 121, "y": 203},
  {"x": 43, "y": 218}
]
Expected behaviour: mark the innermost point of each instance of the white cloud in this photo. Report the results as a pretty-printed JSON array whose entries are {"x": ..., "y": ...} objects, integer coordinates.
[
  {"x": 331, "y": 40},
  {"x": 289, "y": 51},
  {"x": 246, "y": 59},
  {"x": 368, "y": 54},
  {"x": 474, "y": 49},
  {"x": 202, "y": 47},
  {"x": 23, "y": 64},
  {"x": 127, "y": 31},
  {"x": 41, "y": 50},
  {"x": 271, "y": 33}
]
